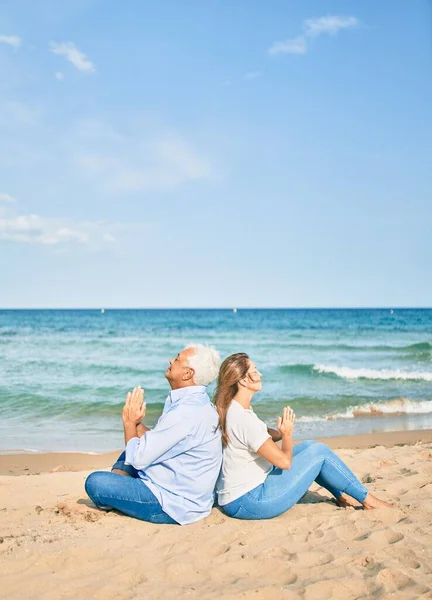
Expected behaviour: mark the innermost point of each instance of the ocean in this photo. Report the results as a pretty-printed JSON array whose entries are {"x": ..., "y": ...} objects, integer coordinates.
[{"x": 64, "y": 374}]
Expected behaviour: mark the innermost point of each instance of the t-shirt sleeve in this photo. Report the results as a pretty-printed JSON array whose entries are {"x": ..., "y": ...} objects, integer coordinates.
[{"x": 253, "y": 432}]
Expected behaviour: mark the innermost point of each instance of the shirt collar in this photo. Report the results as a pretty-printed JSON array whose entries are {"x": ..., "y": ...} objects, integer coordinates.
[{"x": 176, "y": 395}]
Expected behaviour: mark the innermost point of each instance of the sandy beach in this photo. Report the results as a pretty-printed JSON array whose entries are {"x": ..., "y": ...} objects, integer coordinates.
[{"x": 55, "y": 544}]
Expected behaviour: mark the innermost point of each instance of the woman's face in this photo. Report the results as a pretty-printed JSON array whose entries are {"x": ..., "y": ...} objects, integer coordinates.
[{"x": 253, "y": 379}]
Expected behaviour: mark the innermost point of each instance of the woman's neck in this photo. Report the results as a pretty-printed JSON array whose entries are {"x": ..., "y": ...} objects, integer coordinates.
[{"x": 244, "y": 397}]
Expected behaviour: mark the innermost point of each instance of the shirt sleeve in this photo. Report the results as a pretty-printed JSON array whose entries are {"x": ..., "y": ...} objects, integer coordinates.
[
  {"x": 168, "y": 439},
  {"x": 253, "y": 432}
]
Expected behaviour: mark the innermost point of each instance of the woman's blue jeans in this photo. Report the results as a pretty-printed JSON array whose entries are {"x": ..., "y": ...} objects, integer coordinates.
[
  {"x": 128, "y": 495},
  {"x": 312, "y": 461}
]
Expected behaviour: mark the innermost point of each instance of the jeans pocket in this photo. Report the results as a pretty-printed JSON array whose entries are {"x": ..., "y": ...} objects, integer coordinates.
[
  {"x": 162, "y": 519},
  {"x": 243, "y": 513}
]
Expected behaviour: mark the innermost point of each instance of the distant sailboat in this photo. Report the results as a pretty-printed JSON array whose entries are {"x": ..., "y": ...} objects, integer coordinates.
[
  {"x": 392, "y": 311},
  {"x": 102, "y": 310},
  {"x": 234, "y": 310}
]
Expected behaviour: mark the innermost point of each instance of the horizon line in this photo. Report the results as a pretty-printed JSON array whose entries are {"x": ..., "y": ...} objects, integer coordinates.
[{"x": 231, "y": 308}]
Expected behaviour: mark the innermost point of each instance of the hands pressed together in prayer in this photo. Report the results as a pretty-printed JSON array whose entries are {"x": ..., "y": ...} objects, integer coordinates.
[
  {"x": 285, "y": 423},
  {"x": 134, "y": 408}
]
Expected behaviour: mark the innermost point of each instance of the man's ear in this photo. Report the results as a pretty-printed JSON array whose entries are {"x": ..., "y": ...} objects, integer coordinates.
[{"x": 189, "y": 374}]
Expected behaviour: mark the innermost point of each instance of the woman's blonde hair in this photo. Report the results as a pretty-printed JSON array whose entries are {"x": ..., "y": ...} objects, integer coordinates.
[{"x": 233, "y": 369}]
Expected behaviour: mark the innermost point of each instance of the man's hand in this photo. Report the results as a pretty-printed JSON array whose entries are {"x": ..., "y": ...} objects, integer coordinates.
[
  {"x": 135, "y": 407},
  {"x": 285, "y": 423}
]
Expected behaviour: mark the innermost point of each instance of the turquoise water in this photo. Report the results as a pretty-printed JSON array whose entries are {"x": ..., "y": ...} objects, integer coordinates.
[{"x": 64, "y": 373}]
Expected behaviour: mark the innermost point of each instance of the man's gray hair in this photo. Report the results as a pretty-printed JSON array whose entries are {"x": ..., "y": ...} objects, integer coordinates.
[{"x": 205, "y": 362}]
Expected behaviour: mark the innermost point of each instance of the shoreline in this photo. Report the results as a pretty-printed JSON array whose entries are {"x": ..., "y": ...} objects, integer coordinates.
[{"x": 32, "y": 463}]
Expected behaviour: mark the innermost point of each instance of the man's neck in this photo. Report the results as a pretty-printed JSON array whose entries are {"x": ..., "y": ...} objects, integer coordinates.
[{"x": 177, "y": 386}]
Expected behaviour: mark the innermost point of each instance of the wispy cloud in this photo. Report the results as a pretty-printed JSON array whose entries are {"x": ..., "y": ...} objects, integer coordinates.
[
  {"x": 34, "y": 229},
  {"x": 10, "y": 40},
  {"x": 121, "y": 163},
  {"x": 297, "y": 45},
  {"x": 73, "y": 55},
  {"x": 253, "y": 75},
  {"x": 59, "y": 76},
  {"x": 313, "y": 28},
  {"x": 6, "y": 198},
  {"x": 329, "y": 25},
  {"x": 62, "y": 232}
]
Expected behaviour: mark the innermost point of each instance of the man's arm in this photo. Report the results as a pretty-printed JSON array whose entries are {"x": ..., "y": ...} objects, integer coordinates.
[
  {"x": 141, "y": 429},
  {"x": 167, "y": 439},
  {"x": 132, "y": 415}
]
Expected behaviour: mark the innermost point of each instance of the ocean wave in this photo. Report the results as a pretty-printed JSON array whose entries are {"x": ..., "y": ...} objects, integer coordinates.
[
  {"x": 420, "y": 347},
  {"x": 38, "y": 406},
  {"x": 380, "y": 374},
  {"x": 298, "y": 369},
  {"x": 398, "y": 406}
]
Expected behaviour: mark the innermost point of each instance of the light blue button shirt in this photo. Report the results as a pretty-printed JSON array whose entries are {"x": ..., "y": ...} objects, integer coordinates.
[{"x": 180, "y": 459}]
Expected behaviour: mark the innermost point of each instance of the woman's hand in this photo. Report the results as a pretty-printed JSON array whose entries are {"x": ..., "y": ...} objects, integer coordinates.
[
  {"x": 135, "y": 408},
  {"x": 285, "y": 423}
]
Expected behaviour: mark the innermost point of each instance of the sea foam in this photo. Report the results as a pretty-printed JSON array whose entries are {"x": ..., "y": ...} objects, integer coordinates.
[
  {"x": 398, "y": 406},
  {"x": 364, "y": 373}
]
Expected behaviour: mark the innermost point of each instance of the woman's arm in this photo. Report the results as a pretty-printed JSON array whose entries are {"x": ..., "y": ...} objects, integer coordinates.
[{"x": 280, "y": 457}]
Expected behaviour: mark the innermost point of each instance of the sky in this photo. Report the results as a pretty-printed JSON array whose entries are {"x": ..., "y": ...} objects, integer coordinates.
[{"x": 215, "y": 154}]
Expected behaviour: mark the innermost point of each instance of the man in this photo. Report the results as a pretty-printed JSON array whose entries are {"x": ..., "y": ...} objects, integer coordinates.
[{"x": 168, "y": 474}]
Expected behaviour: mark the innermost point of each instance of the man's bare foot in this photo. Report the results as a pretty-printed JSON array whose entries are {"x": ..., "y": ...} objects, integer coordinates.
[
  {"x": 372, "y": 501},
  {"x": 345, "y": 501},
  {"x": 120, "y": 472}
]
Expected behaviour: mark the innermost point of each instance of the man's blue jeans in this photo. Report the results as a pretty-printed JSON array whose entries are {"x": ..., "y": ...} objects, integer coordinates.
[
  {"x": 312, "y": 461},
  {"x": 128, "y": 495}
]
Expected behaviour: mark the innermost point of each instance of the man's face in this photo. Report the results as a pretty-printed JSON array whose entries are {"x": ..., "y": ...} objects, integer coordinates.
[{"x": 178, "y": 371}]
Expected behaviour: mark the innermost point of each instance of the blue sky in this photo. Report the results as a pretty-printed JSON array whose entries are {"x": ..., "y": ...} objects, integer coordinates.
[{"x": 218, "y": 153}]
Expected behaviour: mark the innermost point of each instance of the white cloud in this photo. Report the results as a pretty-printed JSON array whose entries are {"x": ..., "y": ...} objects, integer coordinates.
[
  {"x": 253, "y": 75},
  {"x": 73, "y": 55},
  {"x": 49, "y": 231},
  {"x": 130, "y": 166},
  {"x": 63, "y": 233},
  {"x": 297, "y": 45},
  {"x": 313, "y": 28},
  {"x": 6, "y": 198},
  {"x": 34, "y": 229},
  {"x": 59, "y": 76},
  {"x": 329, "y": 25},
  {"x": 10, "y": 40}
]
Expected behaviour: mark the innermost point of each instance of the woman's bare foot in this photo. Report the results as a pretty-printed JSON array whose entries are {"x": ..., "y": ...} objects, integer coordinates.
[
  {"x": 345, "y": 501},
  {"x": 372, "y": 501}
]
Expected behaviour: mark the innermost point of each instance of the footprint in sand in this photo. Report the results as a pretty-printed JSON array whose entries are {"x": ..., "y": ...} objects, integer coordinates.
[
  {"x": 266, "y": 570},
  {"x": 183, "y": 571},
  {"x": 404, "y": 556},
  {"x": 277, "y": 552},
  {"x": 393, "y": 580},
  {"x": 386, "y": 537},
  {"x": 216, "y": 547},
  {"x": 311, "y": 559},
  {"x": 78, "y": 512}
]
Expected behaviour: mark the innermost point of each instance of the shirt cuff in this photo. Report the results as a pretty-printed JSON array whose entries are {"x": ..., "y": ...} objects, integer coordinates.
[{"x": 131, "y": 448}]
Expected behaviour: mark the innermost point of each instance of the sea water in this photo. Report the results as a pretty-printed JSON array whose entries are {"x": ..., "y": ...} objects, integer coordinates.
[{"x": 64, "y": 374}]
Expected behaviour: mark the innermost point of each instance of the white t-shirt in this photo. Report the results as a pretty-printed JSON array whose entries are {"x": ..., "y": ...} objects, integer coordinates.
[{"x": 242, "y": 468}]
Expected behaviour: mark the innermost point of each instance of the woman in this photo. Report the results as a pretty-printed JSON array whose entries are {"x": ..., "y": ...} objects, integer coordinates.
[{"x": 258, "y": 479}]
